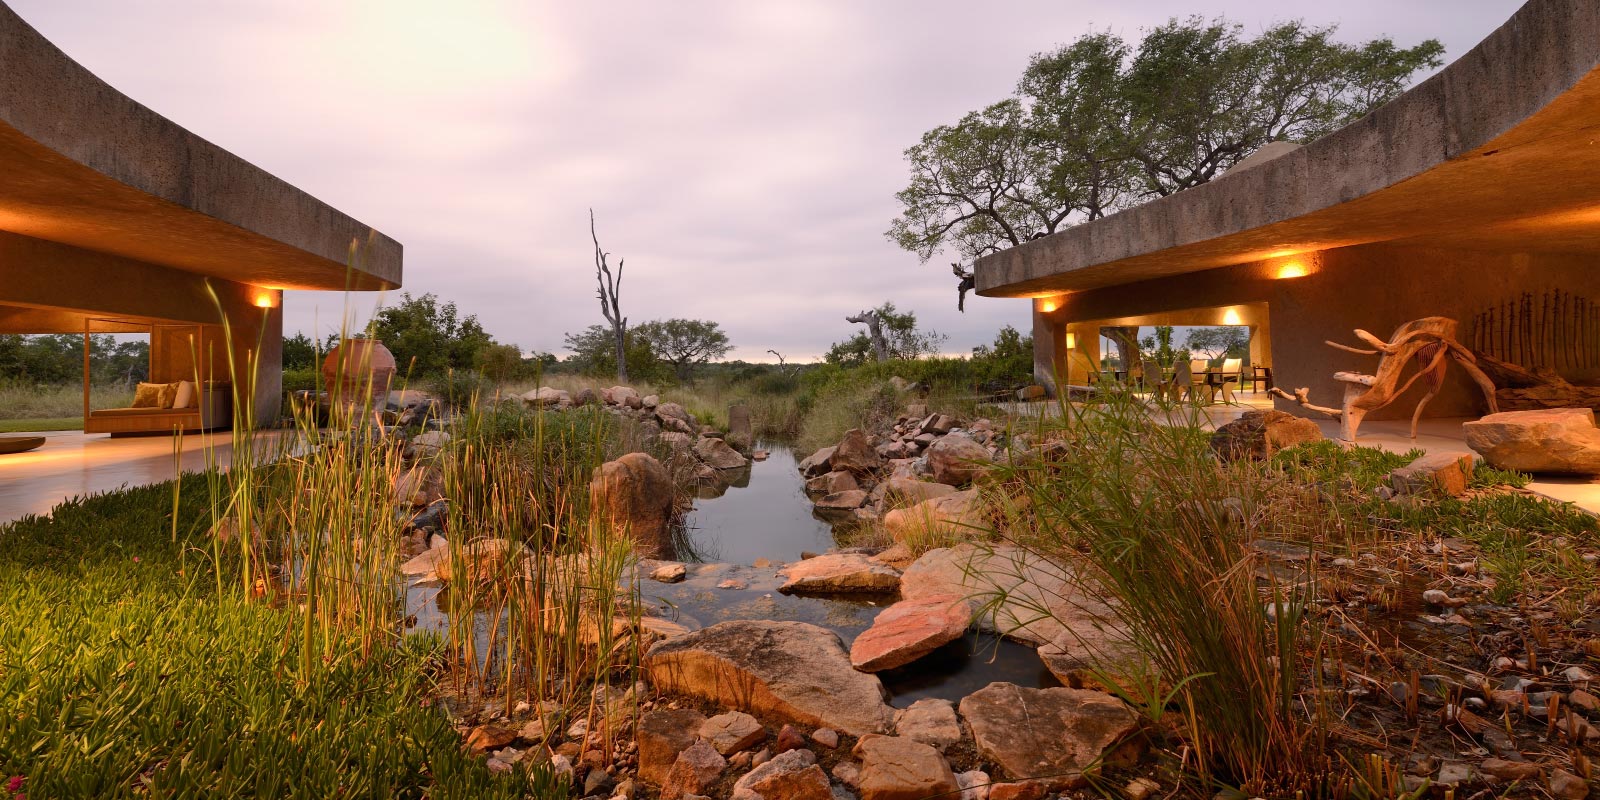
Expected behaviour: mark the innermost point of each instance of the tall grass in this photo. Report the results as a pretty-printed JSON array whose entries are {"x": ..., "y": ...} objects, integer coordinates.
[
  {"x": 22, "y": 400},
  {"x": 1146, "y": 517}
]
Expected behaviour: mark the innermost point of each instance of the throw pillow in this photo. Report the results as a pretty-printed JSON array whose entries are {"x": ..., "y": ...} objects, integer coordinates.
[
  {"x": 185, "y": 396},
  {"x": 148, "y": 395}
]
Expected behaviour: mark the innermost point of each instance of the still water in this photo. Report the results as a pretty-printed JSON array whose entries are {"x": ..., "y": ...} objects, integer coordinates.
[{"x": 769, "y": 517}]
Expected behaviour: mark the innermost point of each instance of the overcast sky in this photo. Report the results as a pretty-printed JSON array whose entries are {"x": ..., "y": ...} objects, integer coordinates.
[{"x": 742, "y": 156}]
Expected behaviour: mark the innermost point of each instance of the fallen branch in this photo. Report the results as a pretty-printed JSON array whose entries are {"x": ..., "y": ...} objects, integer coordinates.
[{"x": 1302, "y": 397}]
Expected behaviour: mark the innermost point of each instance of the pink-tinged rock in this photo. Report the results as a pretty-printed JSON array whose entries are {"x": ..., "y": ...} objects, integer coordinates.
[
  {"x": 958, "y": 515},
  {"x": 956, "y": 459},
  {"x": 914, "y": 491},
  {"x": 788, "y": 776},
  {"x": 696, "y": 769},
  {"x": 909, "y": 630},
  {"x": 839, "y": 573}
]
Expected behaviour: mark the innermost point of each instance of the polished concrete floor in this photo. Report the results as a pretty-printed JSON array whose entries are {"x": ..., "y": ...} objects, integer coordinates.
[{"x": 73, "y": 463}]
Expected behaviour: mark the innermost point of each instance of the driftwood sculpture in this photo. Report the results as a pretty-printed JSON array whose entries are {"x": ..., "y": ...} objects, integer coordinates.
[{"x": 1430, "y": 342}]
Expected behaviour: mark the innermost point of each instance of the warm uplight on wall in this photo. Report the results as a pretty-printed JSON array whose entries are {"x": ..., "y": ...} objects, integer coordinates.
[
  {"x": 1072, "y": 341},
  {"x": 1293, "y": 269},
  {"x": 1231, "y": 317},
  {"x": 266, "y": 298}
]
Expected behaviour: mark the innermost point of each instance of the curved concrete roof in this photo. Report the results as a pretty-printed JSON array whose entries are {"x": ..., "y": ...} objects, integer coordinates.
[
  {"x": 85, "y": 165},
  {"x": 1499, "y": 150}
]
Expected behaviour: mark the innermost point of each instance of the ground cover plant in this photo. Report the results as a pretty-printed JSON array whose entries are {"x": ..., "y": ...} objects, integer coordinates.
[
  {"x": 1297, "y": 629},
  {"x": 124, "y": 672}
]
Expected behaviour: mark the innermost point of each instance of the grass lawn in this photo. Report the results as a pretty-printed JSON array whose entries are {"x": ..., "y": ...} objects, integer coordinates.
[
  {"x": 47, "y": 424},
  {"x": 123, "y": 673}
]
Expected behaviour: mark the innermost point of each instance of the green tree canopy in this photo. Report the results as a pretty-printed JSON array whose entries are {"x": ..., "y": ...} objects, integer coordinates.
[
  {"x": 594, "y": 353},
  {"x": 1100, "y": 125},
  {"x": 428, "y": 337},
  {"x": 684, "y": 343}
]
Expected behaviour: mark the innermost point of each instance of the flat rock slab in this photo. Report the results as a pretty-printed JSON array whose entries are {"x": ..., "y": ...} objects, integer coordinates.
[
  {"x": 897, "y": 768},
  {"x": 734, "y": 731},
  {"x": 1028, "y": 583},
  {"x": 1558, "y": 440},
  {"x": 793, "y": 670},
  {"x": 1055, "y": 735},
  {"x": 909, "y": 630},
  {"x": 932, "y": 721},
  {"x": 663, "y": 734},
  {"x": 839, "y": 573}
]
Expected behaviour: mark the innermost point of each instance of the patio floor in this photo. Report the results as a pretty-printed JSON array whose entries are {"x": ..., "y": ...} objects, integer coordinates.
[{"x": 73, "y": 463}]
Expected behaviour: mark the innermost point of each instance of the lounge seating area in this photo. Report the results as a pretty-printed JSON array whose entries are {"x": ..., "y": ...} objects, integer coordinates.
[
  {"x": 178, "y": 406},
  {"x": 1195, "y": 379}
]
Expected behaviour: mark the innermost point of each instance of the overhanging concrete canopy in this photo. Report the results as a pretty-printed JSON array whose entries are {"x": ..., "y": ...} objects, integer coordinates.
[
  {"x": 84, "y": 165},
  {"x": 1499, "y": 151}
]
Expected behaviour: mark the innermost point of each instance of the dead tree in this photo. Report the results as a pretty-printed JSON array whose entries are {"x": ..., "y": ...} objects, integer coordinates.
[
  {"x": 786, "y": 369},
  {"x": 967, "y": 281},
  {"x": 874, "y": 323},
  {"x": 610, "y": 300},
  {"x": 1430, "y": 343}
]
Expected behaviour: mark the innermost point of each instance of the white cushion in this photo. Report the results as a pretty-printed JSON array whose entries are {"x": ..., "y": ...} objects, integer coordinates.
[{"x": 185, "y": 396}]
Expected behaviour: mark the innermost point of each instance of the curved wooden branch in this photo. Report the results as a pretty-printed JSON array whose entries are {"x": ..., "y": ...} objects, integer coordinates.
[{"x": 1301, "y": 397}]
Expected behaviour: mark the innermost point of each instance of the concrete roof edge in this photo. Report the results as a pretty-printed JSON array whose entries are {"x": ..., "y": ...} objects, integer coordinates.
[
  {"x": 1544, "y": 49},
  {"x": 52, "y": 99}
]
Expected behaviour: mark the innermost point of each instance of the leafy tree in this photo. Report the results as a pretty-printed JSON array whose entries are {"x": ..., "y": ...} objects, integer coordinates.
[
  {"x": 499, "y": 362},
  {"x": 54, "y": 359},
  {"x": 1007, "y": 362},
  {"x": 684, "y": 343},
  {"x": 1232, "y": 341},
  {"x": 902, "y": 337},
  {"x": 594, "y": 353},
  {"x": 299, "y": 352},
  {"x": 1100, "y": 125},
  {"x": 1158, "y": 347},
  {"x": 429, "y": 338}
]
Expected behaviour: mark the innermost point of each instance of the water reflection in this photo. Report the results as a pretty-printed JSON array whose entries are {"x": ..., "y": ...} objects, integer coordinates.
[{"x": 767, "y": 516}]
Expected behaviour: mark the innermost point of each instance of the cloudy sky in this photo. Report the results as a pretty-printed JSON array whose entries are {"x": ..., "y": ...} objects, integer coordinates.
[{"x": 742, "y": 156}]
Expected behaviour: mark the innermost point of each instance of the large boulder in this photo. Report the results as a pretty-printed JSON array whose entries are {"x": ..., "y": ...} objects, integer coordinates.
[
  {"x": 666, "y": 411},
  {"x": 741, "y": 434},
  {"x": 718, "y": 455},
  {"x": 839, "y": 573},
  {"x": 622, "y": 396},
  {"x": 914, "y": 491},
  {"x": 1020, "y": 583},
  {"x": 817, "y": 463},
  {"x": 790, "y": 775},
  {"x": 956, "y": 459},
  {"x": 586, "y": 397},
  {"x": 1558, "y": 440},
  {"x": 482, "y": 561},
  {"x": 955, "y": 515},
  {"x": 836, "y": 481},
  {"x": 898, "y": 768},
  {"x": 855, "y": 453},
  {"x": 1257, "y": 434},
  {"x": 546, "y": 396},
  {"x": 636, "y": 494},
  {"x": 793, "y": 670},
  {"x": 909, "y": 630},
  {"x": 1060, "y": 736}
]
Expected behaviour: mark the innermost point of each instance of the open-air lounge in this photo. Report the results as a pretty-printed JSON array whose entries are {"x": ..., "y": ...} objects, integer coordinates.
[{"x": 116, "y": 220}]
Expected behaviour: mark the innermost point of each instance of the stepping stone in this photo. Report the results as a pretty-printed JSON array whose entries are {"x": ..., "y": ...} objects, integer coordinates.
[
  {"x": 896, "y": 768},
  {"x": 909, "y": 630},
  {"x": 839, "y": 573},
  {"x": 1058, "y": 736},
  {"x": 932, "y": 721}
]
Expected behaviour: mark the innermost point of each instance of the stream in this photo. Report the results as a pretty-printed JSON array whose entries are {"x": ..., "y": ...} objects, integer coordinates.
[
  {"x": 770, "y": 518},
  {"x": 765, "y": 517}
]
